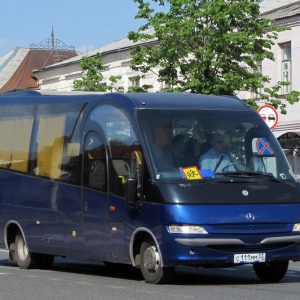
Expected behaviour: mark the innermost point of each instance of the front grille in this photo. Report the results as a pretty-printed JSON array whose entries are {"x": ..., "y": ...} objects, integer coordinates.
[
  {"x": 250, "y": 247},
  {"x": 248, "y": 228}
]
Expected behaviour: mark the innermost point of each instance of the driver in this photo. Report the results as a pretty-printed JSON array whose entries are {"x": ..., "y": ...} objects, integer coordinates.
[{"x": 215, "y": 159}]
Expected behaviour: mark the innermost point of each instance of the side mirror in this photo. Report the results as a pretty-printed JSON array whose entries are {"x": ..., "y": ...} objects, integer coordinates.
[{"x": 131, "y": 197}]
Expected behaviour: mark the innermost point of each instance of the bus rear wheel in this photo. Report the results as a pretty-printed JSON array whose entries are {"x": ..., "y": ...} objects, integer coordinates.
[
  {"x": 151, "y": 267},
  {"x": 23, "y": 257},
  {"x": 271, "y": 271}
]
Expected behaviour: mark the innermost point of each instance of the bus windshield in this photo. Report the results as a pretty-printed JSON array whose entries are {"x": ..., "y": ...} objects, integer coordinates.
[{"x": 211, "y": 145}]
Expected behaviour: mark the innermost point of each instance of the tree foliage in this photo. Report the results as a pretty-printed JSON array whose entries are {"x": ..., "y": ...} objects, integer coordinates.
[
  {"x": 92, "y": 78},
  {"x": 114, "y": 87},
  {"x": 208, "y": 47},
  {"x": 137, "y": 88}
]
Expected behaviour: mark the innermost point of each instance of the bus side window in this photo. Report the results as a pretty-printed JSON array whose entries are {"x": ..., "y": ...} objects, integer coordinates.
[
  {"x": 55, "y": 143},
  {"x": 121, "y": 156},
  {"x": 50, "y": 146},
  {"x": 263, "y": 153},
  {"x": 259, "y": 153},
  {"x": 95, "y": 172},
  {"x": 16, "y": 123},
  {"x": 121, "y": 137}
]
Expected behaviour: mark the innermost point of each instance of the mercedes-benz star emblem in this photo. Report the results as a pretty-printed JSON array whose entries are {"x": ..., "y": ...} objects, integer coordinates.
[
  {"x": 245, "y": 192},
  {"x": 250, "y": 217}
]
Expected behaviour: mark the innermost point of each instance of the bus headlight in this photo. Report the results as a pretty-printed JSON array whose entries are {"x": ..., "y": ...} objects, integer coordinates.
[
  {"x": 296, "y": 227},
  {"x": 187, "y": 229}
]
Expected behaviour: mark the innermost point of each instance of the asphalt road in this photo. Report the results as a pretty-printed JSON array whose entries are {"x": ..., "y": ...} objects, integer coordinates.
[{"x": 76, "y": 280}]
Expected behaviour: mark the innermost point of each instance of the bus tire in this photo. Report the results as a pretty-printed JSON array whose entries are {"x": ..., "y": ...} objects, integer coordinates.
[
  {"x": 23, "y": 257},
  {"x": 271, "y": 271},
  {"x": 151, "y": 267}
]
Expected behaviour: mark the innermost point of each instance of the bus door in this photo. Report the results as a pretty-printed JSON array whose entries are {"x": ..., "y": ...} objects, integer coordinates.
[
  {"x": 121, "y": 219},
  {"x": 95, "y": 196},
  {"x": 121, "y": 139}
]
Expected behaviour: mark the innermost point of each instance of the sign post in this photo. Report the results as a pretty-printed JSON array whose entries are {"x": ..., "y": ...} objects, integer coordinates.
[{"x": 269, "y": 115}]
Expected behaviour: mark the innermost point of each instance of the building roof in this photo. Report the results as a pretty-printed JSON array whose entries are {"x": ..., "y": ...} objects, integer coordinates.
[
  {"x": 268, "y": 5},
  {"x": 10, "y": 62},
  {"x": 17, "y": 65},
  {"x": 285, "y": 11},
  {"x": 119, "y": 45}
]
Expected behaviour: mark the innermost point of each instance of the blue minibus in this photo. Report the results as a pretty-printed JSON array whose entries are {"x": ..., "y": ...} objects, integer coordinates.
[{"x": 152, "y": 180}]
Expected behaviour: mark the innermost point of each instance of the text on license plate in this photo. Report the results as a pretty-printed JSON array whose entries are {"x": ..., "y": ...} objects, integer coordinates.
[{"x": 249, "y": 258}]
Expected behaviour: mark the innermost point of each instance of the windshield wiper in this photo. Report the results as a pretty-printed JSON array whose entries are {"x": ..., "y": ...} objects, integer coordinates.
[{"x": 249, "y": 174}]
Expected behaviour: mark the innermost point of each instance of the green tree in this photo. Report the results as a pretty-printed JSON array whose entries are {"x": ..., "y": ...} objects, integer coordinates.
[
  {"x": 113, "y": 87},
  {"x": 208, "y": 47},
  {"x": 92, "y": 79},
  {"x": 136, "y": 88},
  {"x": 272, "y": 97}
]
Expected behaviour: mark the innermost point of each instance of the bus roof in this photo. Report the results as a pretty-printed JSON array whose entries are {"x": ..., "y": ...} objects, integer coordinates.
[
  {"x": 186, "y": 101},
  {"x": 130, "y": 100}
]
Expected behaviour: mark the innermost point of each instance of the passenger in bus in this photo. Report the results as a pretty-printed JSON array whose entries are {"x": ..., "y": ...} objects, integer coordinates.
[
  {"x": 190, "y": 152},
  {"x": 215, "y": 159},
  {"x": 183, "y": 154},
  {"x": 205, "y": 146},
  {"x": 178, "y": 147}
]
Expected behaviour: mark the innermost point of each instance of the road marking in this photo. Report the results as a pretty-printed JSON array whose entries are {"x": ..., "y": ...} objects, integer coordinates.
[
  {"x": 85, "y": 283},
  {"x": 117, "y": 287}
]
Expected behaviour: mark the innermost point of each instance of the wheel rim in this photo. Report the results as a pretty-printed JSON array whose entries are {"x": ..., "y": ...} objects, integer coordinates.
[
  {"x": 22, "y": 250},
  {"x": 151, "y": 259}
]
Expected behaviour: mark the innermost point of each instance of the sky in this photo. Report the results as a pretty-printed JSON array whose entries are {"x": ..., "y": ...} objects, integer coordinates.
[{"x": 84, "y": 24}]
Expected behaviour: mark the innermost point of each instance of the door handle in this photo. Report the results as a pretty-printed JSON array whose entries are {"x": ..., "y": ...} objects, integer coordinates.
[{"x": 85, "y": 207}]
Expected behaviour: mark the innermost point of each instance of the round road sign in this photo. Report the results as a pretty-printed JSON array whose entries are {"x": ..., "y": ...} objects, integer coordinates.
[{"x": 269, "y": 115}]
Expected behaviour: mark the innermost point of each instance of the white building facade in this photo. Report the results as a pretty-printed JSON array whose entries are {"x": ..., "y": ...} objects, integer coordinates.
[{"x": 286, "y": 67}]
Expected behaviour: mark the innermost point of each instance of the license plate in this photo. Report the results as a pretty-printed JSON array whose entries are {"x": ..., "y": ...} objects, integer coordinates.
[{"x": 249, "y": 258}]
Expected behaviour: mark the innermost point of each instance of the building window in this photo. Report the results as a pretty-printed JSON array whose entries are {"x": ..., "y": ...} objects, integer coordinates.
[
  {"x": 165, "y": 85},
  {"x": 286, "y": 72},
  {"x": 259, "y": 90},
  {"x": 134, "y": 81}
]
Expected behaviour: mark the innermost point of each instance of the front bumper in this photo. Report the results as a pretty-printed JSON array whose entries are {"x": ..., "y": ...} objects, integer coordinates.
[
  {"x": 230, "y": 241},
  {"x": 221, "y": 251}
]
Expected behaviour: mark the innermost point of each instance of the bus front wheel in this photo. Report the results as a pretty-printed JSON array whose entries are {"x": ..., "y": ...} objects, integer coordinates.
[
  {"x": 271, "y": 271},
  {"x": 23, "y": 257},
  {"x": 151, "y": 267}
]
